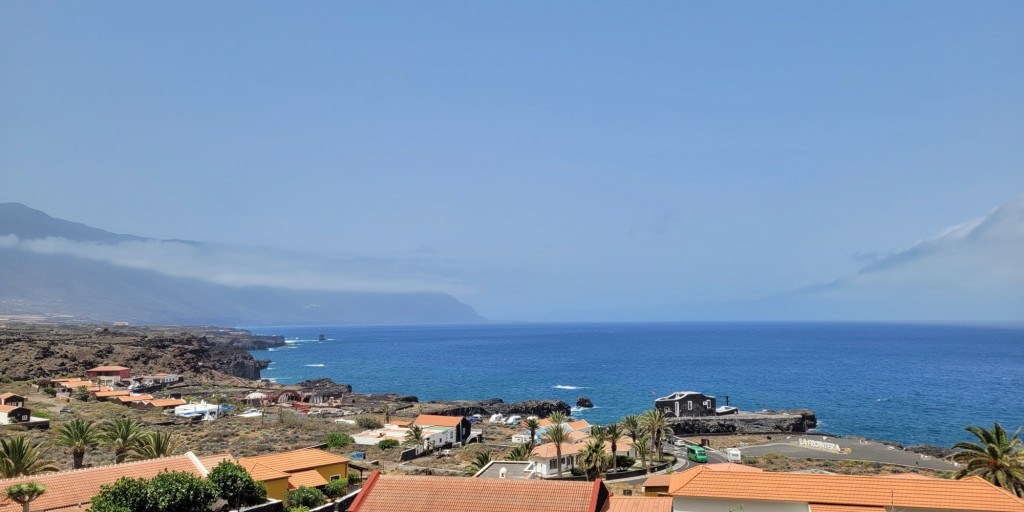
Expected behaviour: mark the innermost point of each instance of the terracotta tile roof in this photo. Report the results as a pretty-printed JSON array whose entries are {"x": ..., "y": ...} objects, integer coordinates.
[
  {"x": 577, "y": 436},
  {"x": 309, "y": 478},
  {"x": 69, "y": 489},
  {"x": 9, "y": 408},
  {"x": 658, "y": 480},
  {"x": 547, "y": 450},
  {"x": 296, "y": 460},
  {"x": 732, "y": 466},
  {"x": 405, "y": 493},
  {"x": 263, "y": 472},
  {"x": 972, "y": 493},
  {"x": 130, "y": 399},
  {"x": 819, "y": 507},
  {"x": 5, "y": 396},
  {"x": 431, "y": 420},
  {"x": 166, "y": 402},
  {"x": 109, "y": 394},
  {"x": 640, "y": 504},
  {"x": 578, "y": 424},
  {"x": 108, "y": 369}
]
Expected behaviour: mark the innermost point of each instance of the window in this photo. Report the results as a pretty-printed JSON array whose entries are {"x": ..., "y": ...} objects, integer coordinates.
[
  {"x": 335, "y": 477},
  {"x": 689, "y": 405}
]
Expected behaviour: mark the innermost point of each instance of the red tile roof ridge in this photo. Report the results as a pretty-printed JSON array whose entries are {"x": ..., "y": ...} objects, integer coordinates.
[
  {"x": 189, "y": 454},
  {"x": 595, "y": 494},
  {"x": 365, "y": 490}
]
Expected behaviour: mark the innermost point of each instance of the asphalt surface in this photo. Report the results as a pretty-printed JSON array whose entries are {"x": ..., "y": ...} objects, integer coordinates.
[{"x": 832, "y": 448}]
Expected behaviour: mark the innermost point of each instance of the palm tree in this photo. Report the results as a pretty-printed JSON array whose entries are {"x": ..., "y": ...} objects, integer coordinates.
[
  {"x": 598, "y": 432},
  {"x": 521, "y": 452},
  {"x": 633, "y": 426},
  {"x": 655, "y": 424},
  {"x": 999, "y": 458},
  {"x": 643, "y": 450},
  {"x": 480, "y": 459},
  {"x": 79, "y": 435},
  {"x": 593, "y": 458},
  {"x": 415, "y": 435},
  {"x": 122, "y": 434},
  {"x": 153, "y": 445},
  {"x": 557, "y": 418},
  {"x": 556, "y": 435},
  {"x": 533, "y": 425},
  {"x": 387, "y": 413},
  {"x": 18, "y": 457},
  {"x": 614, "y": 431},
  {"x": 25, "y": 493}
]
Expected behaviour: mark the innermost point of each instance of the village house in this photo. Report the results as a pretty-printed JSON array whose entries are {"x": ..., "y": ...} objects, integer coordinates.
[
  {"x": 110, "y": 395},
  {"x": 14, "y": 414},
  {"x": 389, "y": 431},
  {"x": 707, "y": 489},
  {"x": 130, "y": 399},
  {"x": 105, "y": 374},
  {"x": 12, "y": 399},
  {"x": 453, "y": 429},
  {"x": 389, "y": 493},
  {"x": 283, "y": 471},
  {"x": 162, "y": 404},
  {"x": 158, "y": 379},
  {"x": 686, "y": 403}
]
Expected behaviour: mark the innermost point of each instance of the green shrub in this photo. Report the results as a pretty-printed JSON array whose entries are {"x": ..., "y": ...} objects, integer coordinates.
[
  {"x": 6, "y": 380},
  {"x": 42, "y": 413},
  {"x": 336, "y": 488},
  {"x": 338, "y": 440},
  {"x": 387, "y": 444},
  {"x": 304, "y": 497},
  {"x": 236, "y": 486},
  {"x": 369, "y": 423},
  {"x": 577, "y": 472},
  {"x": 50, "y": 391},
  {"x": 353, "y": 479}
]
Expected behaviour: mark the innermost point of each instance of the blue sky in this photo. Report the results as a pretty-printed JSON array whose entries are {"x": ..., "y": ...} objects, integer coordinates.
[{"x": 584, "y": 160}]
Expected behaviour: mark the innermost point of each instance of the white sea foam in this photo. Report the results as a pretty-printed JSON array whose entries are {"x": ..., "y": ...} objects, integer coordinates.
[
  {"x": 560, "y": 386},
  {"x": 315, "y": 365}
]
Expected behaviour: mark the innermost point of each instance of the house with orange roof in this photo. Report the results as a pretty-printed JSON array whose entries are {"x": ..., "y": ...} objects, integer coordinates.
[
  {"x": 110, "y": 394},
  {"x": 390, "y": 493},
  {"x": 70, "y": 491},
  {"x": 545, "y": 458},
  {"x": 109, "y": 373},
  {"x": 159, "y": 403},
  {"x": 283, "y": 471},
  {"x": 704, "y": 489},
  {"x": 457, "y": 429},
  {"x": 14, "y": 414},
  {"x": 130, "y": 399},
  {"x": 12, "y": 399}
]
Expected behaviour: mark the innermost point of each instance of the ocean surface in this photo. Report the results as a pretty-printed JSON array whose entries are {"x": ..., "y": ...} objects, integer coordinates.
[{"x": 906, "y": 383}]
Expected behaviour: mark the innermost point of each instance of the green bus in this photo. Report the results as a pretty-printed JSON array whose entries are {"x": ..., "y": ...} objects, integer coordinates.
[{"x": 696, "y": 454}]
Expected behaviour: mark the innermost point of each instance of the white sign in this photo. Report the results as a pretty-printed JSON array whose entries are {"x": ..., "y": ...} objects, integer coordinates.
[{"x": 823, "y": 446}]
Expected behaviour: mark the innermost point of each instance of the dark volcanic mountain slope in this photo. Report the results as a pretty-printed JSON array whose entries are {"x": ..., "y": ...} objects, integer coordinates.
[{"x": 33, "y": 283}]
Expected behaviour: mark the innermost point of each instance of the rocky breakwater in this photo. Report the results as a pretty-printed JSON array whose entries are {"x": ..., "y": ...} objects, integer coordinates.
[
  {"x": 540, "y": 408},
  {"x": 797, "y": 420}
]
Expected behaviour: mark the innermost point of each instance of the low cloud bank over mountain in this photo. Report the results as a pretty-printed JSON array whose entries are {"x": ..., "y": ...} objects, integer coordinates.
[{"x": 52, "y": 266}]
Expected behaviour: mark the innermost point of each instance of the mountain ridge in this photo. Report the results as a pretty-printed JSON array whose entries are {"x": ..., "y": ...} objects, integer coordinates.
[{"x": 39, "y": 283}]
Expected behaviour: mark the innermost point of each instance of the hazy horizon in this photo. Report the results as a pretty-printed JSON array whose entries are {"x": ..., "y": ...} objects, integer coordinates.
[{"x": 572, "y": 162}]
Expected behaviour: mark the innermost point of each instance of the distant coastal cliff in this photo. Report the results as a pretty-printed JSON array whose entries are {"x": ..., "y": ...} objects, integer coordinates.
[{"x": 39, "y": 351}]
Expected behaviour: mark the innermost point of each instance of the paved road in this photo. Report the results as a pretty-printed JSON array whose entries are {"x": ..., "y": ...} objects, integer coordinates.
[{"x": 832, "y": 448}]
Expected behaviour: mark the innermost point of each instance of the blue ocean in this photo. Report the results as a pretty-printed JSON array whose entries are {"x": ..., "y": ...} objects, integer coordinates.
[{"x": 906, "y": 383}]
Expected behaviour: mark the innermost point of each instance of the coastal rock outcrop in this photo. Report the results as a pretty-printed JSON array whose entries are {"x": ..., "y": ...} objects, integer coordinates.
[
  {"x": 46, "y": 351},
  {"x": 541, "y": 408},
  {"x": 584, "y": 402},
  {"x": 800, "y": 420},
  {"x": 327, "y": 388}
]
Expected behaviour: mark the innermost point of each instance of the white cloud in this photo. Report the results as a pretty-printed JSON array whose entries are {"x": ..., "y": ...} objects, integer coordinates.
[{"x": 234, "y": 266}]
